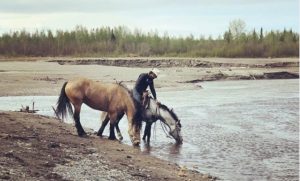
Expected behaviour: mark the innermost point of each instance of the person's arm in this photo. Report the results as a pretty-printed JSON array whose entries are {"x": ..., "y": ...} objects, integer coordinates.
[{"x": 151, "y": 85}]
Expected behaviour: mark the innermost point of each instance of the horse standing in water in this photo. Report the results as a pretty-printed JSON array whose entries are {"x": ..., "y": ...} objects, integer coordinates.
[
  {"x": 151, "y": 114},
  {"x": 111, "y": 98}
]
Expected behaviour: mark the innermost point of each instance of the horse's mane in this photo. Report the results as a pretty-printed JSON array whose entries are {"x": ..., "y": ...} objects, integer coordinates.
[
  {"x": 164, "y": 107},
  {"x": 137, "y": 119},
  {"x": 121, "y": 83}
]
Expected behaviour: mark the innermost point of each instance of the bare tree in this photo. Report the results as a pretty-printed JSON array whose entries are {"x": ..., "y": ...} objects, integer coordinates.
[{"x": 237, "y": 27}]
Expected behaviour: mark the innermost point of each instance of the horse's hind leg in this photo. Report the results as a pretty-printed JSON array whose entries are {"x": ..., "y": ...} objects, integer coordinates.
[
  {"x": 104, "y": 123},
  {"x": 117, "y": 127},
  {"x": 78, "y": 126}
]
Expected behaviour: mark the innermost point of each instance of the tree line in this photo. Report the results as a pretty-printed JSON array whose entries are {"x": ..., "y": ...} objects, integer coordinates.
[{"x": 120, "y": 41}]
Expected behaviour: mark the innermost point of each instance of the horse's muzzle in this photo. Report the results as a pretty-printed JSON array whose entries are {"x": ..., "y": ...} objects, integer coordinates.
[
  {"x": 179, "y": 140},
  {"x": 177, "y": 136}
]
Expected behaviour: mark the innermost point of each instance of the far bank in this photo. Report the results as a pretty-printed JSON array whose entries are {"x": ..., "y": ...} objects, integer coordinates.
[{"x": 45, "y": 76}]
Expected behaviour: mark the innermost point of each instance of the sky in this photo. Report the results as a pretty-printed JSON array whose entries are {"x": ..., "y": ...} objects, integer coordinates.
[{"x": 175, "y": 17}]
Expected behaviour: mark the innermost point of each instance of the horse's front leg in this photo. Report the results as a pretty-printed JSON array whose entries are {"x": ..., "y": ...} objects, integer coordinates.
[
  {"x": 119, "y": 132},
  {"x": 112, "y": 135},
  {"x": 120, "y": 137},
  {"x": 113, "y": 121},
  {"x": 149, "y": 133},
  {"x": 133, "y": 131},
  {"x": 104, "y": 123},
  {"x": 145, "y": 131}
]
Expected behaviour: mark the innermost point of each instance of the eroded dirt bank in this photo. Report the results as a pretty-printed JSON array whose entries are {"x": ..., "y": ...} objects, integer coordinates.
[
  {"x": 179, "y": 62},
  {"x": 198, "y": 63},
  {"x": 35, "y": 147}
]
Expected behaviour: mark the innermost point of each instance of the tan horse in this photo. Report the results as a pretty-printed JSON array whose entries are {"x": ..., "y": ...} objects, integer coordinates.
[
  {"x": 109, "y": 97},
  {"x": 151, "y": 114}
]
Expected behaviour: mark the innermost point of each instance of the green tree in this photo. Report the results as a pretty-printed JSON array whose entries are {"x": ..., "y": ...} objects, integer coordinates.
[{"x": 261, "y": 35}]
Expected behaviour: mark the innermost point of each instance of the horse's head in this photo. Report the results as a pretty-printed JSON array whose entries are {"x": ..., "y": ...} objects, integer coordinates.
[{"x": 170, "y": 118}]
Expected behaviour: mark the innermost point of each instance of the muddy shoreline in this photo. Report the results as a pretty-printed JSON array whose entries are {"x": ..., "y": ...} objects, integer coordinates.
[{"x": 35, "y": 147}]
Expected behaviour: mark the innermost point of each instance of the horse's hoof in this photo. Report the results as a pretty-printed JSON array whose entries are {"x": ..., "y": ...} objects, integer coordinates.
[
  {"x": 120, "y": 138},
  {"x": 112, "y": 138},
  {"x": 147, "y": 144},
  {"x": 83, "y": 134},
  {"x": 136, "y": 143}
]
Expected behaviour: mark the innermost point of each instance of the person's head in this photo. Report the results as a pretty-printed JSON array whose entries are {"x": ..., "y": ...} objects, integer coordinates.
[{"x": 154, "y": 73}]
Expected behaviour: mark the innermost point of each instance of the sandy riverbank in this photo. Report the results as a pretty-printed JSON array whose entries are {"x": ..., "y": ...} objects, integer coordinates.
[{"x": 45, "y": 76}]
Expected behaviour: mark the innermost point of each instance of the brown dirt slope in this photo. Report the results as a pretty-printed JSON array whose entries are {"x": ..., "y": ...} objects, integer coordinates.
[{"x": 35, "y": 147}]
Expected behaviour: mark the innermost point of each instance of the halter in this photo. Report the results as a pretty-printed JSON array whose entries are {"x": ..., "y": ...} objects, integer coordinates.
[
  {"x": 164, "y": 126},
  {"x": 158, "y": 115}
]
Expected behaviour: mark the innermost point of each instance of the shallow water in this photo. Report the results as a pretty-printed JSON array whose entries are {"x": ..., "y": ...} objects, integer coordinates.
[{"x": 235, "y": 130}]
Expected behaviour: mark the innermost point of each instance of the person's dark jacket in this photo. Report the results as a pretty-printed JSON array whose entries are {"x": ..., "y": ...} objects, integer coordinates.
[{"x": 143, "y": 82}]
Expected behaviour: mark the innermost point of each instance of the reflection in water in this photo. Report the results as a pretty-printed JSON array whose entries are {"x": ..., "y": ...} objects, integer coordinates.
[
  {"x": 146, "y": 148},
  {"x": 173, "y": 148},
  {"x": 235, "y": 130}
]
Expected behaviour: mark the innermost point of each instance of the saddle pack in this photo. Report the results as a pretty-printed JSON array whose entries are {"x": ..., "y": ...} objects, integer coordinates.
[{"x": 145, "y": 99}]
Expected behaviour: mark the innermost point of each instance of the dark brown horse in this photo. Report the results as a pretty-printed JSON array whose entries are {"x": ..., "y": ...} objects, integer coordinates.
[{"x": 108, "y": 97}]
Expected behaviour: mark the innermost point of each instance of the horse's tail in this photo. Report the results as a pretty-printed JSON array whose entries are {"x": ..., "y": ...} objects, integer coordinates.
[{"x": 63, "y": 104}]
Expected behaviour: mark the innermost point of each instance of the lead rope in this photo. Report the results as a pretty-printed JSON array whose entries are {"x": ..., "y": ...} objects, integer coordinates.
[
  {"x": 164, "y": 127},
  {"x": 154, "y": 130}
]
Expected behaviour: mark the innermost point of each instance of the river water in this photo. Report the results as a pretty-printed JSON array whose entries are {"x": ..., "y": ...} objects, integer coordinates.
[{"x": 235, "y": 130}]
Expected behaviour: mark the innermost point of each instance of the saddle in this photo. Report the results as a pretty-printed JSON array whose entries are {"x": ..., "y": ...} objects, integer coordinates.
[{"x": 145, "y": 99}]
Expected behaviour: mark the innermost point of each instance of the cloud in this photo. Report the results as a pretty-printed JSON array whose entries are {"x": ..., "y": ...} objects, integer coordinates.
[
  {"x": 177, "y": 17},
  {"x": 86, "y": 6},
  {"x": 92, "y": 6}
]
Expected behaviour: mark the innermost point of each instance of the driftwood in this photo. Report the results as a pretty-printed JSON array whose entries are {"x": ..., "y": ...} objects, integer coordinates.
[
  {"x": 55, "y": 112},
  {"x": 27, "y": 110}
]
